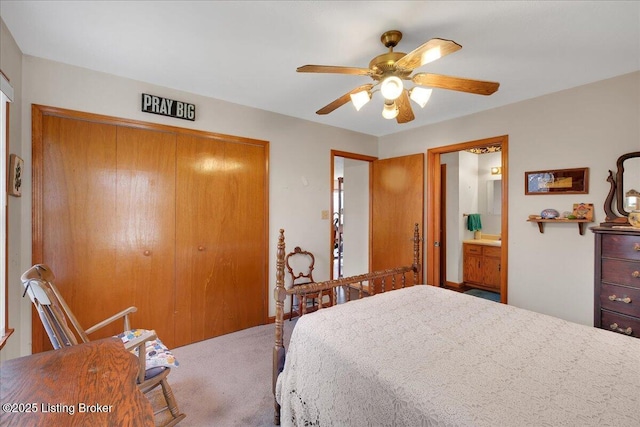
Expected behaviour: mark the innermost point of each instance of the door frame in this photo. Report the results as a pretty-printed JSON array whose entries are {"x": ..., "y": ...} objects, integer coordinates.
[
  {"x": 434, "y": 219},
  {"x": 352, "y": 156}
]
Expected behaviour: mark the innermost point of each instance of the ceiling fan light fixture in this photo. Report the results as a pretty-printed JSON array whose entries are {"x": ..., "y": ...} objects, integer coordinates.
[
  {"x": 420, "y": 95},
  {"x": 391, "y": 88},
  {"x": 431, "y": 55},
  {"x": 390, "y": 110},
  {"x": 359, "y": 99}
]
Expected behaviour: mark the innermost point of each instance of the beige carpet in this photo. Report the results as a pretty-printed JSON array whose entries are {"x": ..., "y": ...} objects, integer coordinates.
[{"x": 226, "y": 381}]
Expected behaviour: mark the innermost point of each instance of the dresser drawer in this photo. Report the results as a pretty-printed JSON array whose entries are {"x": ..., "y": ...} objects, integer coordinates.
[
  {"x": 621, "y": 272},
  {"x": 492, "y": 251},
  {"x": 620, "y": 323},
  {"x": 620, "y": 299},
  {"x": 472, "y": 249},
  {"x": 618, "y": 246}
]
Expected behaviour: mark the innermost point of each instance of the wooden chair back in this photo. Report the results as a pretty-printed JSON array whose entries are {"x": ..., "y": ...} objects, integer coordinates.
[
  {"x": 61, "y": 325},
  {"x": 300, "y": 266}
]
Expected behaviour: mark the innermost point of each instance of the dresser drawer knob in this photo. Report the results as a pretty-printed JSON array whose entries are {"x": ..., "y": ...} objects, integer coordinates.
[
  {"x": 614, "y": 327},
  {"x": 636, "y": 273},
  {"x": 636, "y": 247},
  {"x": 625, "y": 300}
]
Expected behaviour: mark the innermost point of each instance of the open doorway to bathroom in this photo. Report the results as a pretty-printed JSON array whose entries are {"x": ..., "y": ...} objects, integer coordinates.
[{"x": 460, "y": 182}]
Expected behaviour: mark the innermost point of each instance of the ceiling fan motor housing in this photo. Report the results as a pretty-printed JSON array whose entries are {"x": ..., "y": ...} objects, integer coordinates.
[{"x": 384, "y": 64}]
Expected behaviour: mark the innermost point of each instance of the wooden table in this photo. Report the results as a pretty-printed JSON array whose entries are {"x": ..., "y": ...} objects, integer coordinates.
[{"x": 92, "y": 384}]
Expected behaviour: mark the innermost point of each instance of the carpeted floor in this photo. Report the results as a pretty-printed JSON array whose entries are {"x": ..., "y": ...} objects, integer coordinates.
[{"x": 226, "y": 381}]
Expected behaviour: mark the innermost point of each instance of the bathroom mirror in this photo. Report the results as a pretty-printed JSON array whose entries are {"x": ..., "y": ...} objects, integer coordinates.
[{"x": 494, "y": 196}]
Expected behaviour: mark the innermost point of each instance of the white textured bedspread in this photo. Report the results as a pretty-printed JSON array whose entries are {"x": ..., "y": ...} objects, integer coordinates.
[{"x": 426, "y": 356}]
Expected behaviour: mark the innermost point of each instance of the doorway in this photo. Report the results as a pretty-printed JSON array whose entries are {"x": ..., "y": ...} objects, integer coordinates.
[
  {"x": 439, "y": 236},
  {"x": 349, "y": 227}
]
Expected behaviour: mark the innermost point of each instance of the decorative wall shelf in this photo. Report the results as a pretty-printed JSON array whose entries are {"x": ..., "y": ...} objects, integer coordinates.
[{"x": 541, "y": 222}]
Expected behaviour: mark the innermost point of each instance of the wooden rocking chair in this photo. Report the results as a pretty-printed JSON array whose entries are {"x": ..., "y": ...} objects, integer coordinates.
[{"x": 64, "y": 330}]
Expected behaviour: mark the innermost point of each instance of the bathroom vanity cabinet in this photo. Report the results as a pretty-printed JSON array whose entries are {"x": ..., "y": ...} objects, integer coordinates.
[{"x": 481, "y": 266}]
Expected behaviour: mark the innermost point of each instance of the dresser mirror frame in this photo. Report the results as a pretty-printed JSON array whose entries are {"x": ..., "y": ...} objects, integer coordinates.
[{"x": 617, "y": 192}]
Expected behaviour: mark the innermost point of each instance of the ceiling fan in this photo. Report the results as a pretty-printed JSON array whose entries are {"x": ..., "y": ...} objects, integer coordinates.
[{"x": 390, "y": 69}]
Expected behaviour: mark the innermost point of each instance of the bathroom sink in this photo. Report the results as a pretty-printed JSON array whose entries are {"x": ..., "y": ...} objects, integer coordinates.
[{"x": 486, "y": 242}]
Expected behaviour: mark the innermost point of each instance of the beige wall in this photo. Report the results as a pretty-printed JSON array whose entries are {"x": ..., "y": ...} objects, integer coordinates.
[
  {"x": 11, "y": 66},
  {"x": 587, "y": 126}
]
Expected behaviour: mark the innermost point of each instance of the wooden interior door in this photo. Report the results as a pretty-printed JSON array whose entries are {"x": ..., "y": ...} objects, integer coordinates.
[
  {"x": 200, "y": 229},
  {"x": 245, "y": 236},
  {"x": 397, "y": 204},
  {"x": 145, "y": 246},
  {"x": 78, "y": 222},
  {"x": 108, "y": 222},
  {"x": 220, "y": 267}
]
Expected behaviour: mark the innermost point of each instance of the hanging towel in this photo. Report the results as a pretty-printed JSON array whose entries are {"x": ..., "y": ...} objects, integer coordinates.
[{"x": 473, "y": 222}]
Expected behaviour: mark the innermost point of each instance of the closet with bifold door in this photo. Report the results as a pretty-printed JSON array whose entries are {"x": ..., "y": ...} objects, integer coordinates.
[{"x": 170, "y": 220}]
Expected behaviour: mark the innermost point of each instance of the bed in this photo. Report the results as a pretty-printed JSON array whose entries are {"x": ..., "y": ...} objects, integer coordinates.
[{"x": 426, "y": 356}]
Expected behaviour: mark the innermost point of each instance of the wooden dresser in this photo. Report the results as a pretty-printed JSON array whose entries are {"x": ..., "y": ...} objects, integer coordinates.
[{"x": 617, "y": 280}]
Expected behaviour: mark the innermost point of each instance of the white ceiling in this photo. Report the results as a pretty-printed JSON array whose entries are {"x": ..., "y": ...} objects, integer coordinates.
[{"x": 247, "y": 52}]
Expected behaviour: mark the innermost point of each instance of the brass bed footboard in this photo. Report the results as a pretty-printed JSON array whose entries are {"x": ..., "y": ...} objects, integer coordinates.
[{"x": 363, "y": 285}]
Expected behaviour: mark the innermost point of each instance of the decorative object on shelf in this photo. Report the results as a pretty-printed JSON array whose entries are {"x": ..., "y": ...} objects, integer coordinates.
[
  {"x": 616, "y": 206},
  {"x": 558, "y": 181},
  {"x": 549, "y": 214},
  {"x": 583, "y": 211},
  {"x": 16, "y": 169}
]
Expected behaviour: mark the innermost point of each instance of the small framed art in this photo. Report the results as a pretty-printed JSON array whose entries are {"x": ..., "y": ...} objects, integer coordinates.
[
  {"x": 16, "y": 171},
  {"x": 558, "y": 181}
]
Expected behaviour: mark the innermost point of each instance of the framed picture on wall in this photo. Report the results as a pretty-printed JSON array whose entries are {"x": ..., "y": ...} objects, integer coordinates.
[
  {"x": 558, "y": 181},
  {"x": 16, "y": 170}
]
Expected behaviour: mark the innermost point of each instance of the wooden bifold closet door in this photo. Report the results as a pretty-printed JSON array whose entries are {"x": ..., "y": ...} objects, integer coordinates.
[
  {"x": 169, "y": 220},
  {"x": 218, "y": 238}
]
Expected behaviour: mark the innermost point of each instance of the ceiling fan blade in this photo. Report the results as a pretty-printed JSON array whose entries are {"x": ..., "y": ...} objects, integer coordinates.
[
  {"x": 342, "y": 100},
  {"x": 478, "y": 87},
  {"x": 333, "y": 69},
  {"x": 405, "y": 112},
  {"x": 427, "y": 52}
]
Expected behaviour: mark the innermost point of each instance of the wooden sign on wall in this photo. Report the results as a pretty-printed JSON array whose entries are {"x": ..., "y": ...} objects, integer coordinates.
[{"x": 168, "y": 107}]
